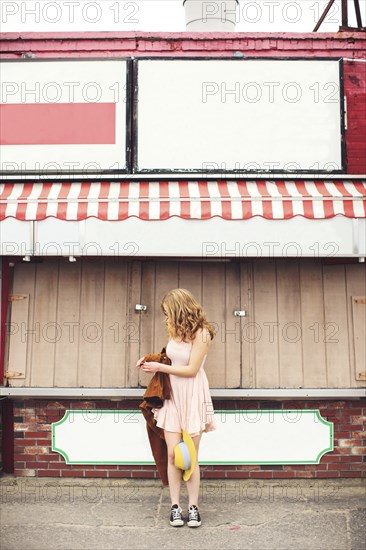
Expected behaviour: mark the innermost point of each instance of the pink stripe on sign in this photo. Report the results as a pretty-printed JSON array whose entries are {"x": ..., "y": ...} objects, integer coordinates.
[{"x": 57, "y": 123}]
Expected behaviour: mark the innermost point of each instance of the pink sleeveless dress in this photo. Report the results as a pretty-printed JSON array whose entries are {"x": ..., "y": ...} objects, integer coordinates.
[{"x": 190, "y": 407}]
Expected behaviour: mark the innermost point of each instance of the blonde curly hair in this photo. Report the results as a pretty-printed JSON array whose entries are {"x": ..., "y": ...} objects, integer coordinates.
[{"x": 184, "y": 315}]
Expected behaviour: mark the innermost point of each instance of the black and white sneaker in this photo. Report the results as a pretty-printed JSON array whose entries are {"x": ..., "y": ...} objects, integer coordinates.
[
  {"x": 194, "y": 518},
  {"x": 176, "y": 516}
]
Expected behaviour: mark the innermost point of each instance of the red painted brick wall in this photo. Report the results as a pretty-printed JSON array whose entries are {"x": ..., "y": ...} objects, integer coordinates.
[
  {"x": 33, "y": 455},
  {"x": 109, "y": 44},
  {"x": 355, "y": 91}
]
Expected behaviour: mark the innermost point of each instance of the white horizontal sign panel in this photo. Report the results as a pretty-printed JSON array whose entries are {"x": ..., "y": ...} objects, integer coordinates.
[
  {"x": 16, "y": 237},
  {"x": 218, "y": 238},
  {"x": 205, "y": 239},
  {"x": 246, "y": 115},
  {"x": 63, "y": 116},
  {"x": 241, "y": 437}
]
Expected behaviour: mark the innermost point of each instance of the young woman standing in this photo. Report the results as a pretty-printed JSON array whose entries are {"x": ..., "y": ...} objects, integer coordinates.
[{"x": 190, "y": 407}]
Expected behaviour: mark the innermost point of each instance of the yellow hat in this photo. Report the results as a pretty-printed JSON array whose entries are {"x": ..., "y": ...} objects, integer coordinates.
[{"x": 185, "y": 455}]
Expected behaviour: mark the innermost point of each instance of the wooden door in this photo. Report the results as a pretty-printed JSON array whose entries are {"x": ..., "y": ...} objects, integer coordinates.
[{"x": 217, "y": 287}]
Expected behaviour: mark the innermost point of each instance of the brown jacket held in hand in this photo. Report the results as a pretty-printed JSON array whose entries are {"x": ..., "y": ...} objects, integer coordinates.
[{"x": 159, "y": 388}]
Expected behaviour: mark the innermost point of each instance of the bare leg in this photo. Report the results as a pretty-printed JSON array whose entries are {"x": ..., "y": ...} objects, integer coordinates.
[
  {"x": 174, "y": 474},
  {"x": 193, "y": 484}
]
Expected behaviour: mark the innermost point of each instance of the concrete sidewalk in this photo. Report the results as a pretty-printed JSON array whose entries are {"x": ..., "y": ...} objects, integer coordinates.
[{"x": 113, "y": 514}]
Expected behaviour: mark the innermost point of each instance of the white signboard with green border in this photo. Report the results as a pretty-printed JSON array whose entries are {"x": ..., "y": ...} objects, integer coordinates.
[{"x": 241, "y": 437}]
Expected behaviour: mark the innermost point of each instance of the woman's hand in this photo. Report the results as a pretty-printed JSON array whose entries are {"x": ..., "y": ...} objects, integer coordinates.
[
  {"x": 140, "y": 362},
  {"x": 152, "y": 367}
]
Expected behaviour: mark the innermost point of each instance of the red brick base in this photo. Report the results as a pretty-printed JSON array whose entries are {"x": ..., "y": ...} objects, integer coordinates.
[{"x": 33, "y": 455}]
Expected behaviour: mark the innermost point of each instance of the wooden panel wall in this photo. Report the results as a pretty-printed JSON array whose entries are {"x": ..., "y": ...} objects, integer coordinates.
[
  {"x": 356, "y": 287},
  {"x": 312, "y": 319},
  {"x": 300, "y": 330},
  {"x": 23, "y": 331},
  {"x": 265, "y": 345},
  {"x": 359, "y": 326},
  {"x": 303, "y": 311},
  {"x": 77, "y": 323}
]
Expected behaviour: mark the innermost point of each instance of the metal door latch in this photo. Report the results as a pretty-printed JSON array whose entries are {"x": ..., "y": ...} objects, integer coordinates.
[
  {"x": 140, "y": 307},
  {"x": 240, "y": 313}
]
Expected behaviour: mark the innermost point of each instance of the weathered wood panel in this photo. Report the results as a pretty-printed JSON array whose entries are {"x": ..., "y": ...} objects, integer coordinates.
[
  {"x": 233, "y": 336},
  {"x": 336, "y": 327},
  {"x": 190, "y": 277},
  {"x": 312, "y": 323},
  {"x": 217, "y": 287},
  {"x": 167, "y": 275},
  {"x": 147, "y": 317},
  {"x": 359, "y": 330},
  {"x": 80, "y": 327},
  {"x": 24, "y": 280},
  {"x": 315, "y": 301},
  {"x": 215, "y": 303},
  {"x": 91, "y": 324},
  {"x": 356, "y": 286},
  {"x": 17, "y": 368},
  {"x": 157, "y": 279},
  {"x": 247, "y": 346},
  {"x": 68, "y": 311},
  {"x": 133, "y": 336},
  {"x": 288, "y": 299},
  {"x": 45, "y": 308},
  {"x": 265, "y": 332},
  {"x": 115, "y": 329}
]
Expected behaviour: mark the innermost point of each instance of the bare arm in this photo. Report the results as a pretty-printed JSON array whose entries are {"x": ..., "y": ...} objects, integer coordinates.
[{"x": 199, "y": 350}]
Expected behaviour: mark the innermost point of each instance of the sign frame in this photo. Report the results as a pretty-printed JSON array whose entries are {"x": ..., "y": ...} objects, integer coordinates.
[
  {"x": 223, "y": 172},
  {"x": 128, "y": 116},
  {"x": 137, "y": 423}
]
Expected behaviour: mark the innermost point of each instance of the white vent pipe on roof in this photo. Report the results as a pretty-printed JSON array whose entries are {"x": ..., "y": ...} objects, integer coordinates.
[{"x": 210, "y": 15}]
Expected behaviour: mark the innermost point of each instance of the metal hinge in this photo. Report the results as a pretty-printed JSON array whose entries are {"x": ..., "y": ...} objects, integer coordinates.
[{"x": 16, "y": 297}]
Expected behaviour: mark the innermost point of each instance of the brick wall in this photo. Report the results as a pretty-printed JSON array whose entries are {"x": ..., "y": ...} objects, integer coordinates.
[
  {"x": 351, "y": 45},
  {"x": 33, "y": 455}
]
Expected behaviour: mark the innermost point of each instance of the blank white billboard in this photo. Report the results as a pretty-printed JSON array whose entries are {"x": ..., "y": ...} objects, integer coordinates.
[
  {"x": 244, "y": 114},
  {"x": 63, "y": 116}
]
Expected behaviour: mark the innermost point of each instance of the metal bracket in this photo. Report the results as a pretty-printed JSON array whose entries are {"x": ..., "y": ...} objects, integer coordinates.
[
  {"x": 240, "y": 313},
  {"x": 140, "y": 307}
]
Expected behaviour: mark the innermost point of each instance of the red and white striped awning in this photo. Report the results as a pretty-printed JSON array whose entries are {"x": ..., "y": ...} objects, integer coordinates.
[{"x": 160, "y": 200}]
